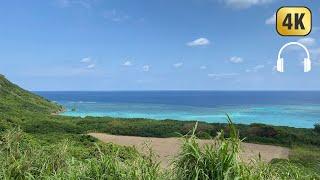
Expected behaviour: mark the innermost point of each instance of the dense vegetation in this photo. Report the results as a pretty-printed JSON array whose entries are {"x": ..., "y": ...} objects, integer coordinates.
[
  {"x": 258, "y": 133},
  {"x": 36, "y": 144}
]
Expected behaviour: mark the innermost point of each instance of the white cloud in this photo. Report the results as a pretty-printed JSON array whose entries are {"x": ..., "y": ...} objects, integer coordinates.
[
  {"x": 222, "y": 75},
  {"x": 256, "y": 68},
  {"x": 69, "y": 3},
  {"x": 86, "y": 60},
  {"x": 127, "y": 63},
  {"x": 243, "y": 4},
  {"x": 203, "y": 67},
  {"x": 178, "y": 65},
  {"x": 199, "y": 42},
  {"x": 115, "y": 15},
  {"x": 271, "y": 20},
  {"x": 146, "y": 68},
  {"x": 308, "y": 41},
  {"x": 236, "y": 59},
  {"x": 91, "y": 66}
]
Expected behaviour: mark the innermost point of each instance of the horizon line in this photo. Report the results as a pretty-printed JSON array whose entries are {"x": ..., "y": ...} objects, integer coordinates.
[{"x": 244, "y": 90}]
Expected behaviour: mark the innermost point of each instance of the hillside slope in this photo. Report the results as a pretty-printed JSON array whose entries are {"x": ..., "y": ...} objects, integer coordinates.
[{"x": 17, "y": 104}]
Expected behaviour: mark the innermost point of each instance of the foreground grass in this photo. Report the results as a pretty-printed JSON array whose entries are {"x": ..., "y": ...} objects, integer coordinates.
[
  {"x": 24, "y": 156},
  {"x": 221, "y": 160}
]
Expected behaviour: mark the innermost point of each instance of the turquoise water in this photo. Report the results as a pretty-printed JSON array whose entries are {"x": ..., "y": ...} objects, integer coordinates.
[
  {"x": 296, "y": 109},
  {"x": 277, "y": 115}
]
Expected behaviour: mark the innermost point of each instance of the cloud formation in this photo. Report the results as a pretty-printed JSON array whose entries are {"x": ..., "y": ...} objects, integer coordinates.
[
  {"x": 244, "y": 4},
  {"x": 222, "y": 75},
  {"x": 127, "y": 63},
  {"x": 69, "y": 3},
  {"x": 199, "y": 42},
  {"x": 178, "y": 65},
  {"x": 256, "y": 68},
  {"x": 89, "y": 62},
  {"x": 308, "y": 41},
  {"x": 91, "y": 66},
  {"x": 115, "y": 15},
  {"x": 236, "y": 59},
  {"x": 203, "y": 67},
  {"x": 86, "y": 60},
  {"x": 271, "y": 20}
]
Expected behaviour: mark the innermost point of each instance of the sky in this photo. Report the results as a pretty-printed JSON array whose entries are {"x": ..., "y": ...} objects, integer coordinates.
[{"x": 102, "y": 45}]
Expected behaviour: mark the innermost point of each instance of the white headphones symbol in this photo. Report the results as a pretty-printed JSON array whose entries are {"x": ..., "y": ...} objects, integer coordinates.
[{"x": 306, "y": 62}]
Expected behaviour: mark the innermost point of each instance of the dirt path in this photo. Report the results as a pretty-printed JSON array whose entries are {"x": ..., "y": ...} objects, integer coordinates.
[{"x": 167, "y": 148}]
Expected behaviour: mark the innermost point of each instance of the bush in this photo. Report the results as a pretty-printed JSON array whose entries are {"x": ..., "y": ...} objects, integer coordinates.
[
  {"x": 317, "y": 127},
  {"x": 262, "y": 131}
]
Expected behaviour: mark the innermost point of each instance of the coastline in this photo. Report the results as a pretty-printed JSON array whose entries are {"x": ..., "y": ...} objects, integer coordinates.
[{"x": 293, "y": 109}]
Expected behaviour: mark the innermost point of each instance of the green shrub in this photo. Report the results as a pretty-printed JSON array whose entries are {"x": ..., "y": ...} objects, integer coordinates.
[{"x": 317, "y": 127}]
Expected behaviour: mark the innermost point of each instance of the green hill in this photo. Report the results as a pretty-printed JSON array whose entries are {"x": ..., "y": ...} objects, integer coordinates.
[
  {"x": 17, "y": 104},
  {"x": 13, "y": 98}
]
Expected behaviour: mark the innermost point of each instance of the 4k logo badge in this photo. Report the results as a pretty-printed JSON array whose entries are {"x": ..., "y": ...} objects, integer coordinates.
[{"x": 294, "y": 21}]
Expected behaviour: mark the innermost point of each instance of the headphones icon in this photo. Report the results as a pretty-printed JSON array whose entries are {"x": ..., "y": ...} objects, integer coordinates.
[{"x": 306, "y": 62}]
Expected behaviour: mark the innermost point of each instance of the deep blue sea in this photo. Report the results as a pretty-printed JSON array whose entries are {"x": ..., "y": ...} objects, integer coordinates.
[{"x": 288, "y": 108}]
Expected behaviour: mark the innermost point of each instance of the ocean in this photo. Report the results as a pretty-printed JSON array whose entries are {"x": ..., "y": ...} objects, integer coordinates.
[{"x": 285, "y": 108}]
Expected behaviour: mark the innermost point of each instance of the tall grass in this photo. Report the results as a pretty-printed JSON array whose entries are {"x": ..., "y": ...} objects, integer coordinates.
[
  {"x": 220, "y": 160},
  {"x": 23, "y": 157}
]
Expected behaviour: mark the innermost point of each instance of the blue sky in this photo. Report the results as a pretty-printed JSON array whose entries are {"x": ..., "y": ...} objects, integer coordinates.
[{"x": 152, "y": 45}]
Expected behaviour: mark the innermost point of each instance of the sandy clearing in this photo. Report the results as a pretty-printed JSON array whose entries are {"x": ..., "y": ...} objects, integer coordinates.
[{"x": 167, "y": 148}]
